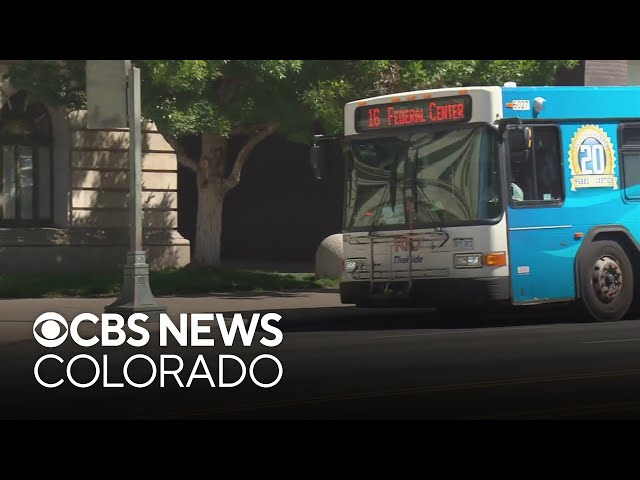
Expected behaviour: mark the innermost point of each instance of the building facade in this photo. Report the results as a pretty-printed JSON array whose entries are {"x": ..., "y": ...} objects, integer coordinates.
[
  {"x": 64, "y": 191},
  {"x": 610, "y": 72}
]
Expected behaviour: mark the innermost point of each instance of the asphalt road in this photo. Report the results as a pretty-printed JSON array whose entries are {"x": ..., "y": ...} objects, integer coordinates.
[{"x": 343, "y": 363}]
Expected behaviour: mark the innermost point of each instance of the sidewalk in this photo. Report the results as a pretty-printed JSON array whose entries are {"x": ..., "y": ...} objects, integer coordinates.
[
  {"x": 270, "y": 266},
  {"x": 17, "y": 315}
]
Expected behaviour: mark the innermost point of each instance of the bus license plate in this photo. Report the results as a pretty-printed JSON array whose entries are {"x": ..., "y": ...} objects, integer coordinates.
[{"x": 463, "y": 243}]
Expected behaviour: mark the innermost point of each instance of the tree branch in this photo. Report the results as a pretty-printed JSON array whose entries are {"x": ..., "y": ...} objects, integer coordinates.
[
  {"x": 238, "y": 131},
  {"x": 248, "y": 130},
  {"x": 181, "y": 155},
  {"x": 233, "y": 179},
  {"x": 225, "y": 90}
]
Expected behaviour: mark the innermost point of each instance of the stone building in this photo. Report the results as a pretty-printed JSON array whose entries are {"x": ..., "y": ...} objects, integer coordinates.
[{"x": 63, "y": 192}]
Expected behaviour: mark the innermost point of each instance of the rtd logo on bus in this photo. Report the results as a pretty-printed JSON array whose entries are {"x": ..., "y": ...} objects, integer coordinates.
[
  {"x": 416, "y": 112},
  {"x": 403, "y": 244}
]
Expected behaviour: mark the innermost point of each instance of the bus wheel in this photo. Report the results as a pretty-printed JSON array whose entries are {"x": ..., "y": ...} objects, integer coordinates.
[{"x": 606, "y": 281}]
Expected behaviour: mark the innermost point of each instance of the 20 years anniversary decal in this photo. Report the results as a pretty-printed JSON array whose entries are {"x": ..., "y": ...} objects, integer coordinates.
[{"x": 592, "y": 159}]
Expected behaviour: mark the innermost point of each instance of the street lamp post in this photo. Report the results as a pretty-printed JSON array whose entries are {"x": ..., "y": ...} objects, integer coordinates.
[{"x": 135, "y": 294}]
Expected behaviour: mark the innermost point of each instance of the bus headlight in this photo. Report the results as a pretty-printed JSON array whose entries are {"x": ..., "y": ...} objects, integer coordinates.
[
  {"x": 350, "y": 265},
  {"x": 468, "y": 260}
]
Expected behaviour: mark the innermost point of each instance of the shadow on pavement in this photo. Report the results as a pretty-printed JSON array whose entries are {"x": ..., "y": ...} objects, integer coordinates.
[{"x": 367, "y": 319}]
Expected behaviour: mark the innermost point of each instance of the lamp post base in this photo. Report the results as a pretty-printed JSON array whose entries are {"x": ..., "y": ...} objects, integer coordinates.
[{"x": 135, "y": 295}]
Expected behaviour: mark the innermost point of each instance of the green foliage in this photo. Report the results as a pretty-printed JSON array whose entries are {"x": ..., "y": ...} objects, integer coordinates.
[
  {"x": 187, "y": 97},
  {"x": 223, "y": 97},
  {"x": 218, "y": 96},
  {"x": 331, "y": 86},
  {"x": 167, "y": 282},
  {"x": 58, "y": 83}
]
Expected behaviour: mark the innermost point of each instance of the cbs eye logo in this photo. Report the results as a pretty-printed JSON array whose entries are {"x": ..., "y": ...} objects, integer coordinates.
[{"x": 53, "y": 330}]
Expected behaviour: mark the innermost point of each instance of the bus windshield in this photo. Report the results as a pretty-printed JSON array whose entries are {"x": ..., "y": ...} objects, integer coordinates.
[{"x": 435, "y": 177}]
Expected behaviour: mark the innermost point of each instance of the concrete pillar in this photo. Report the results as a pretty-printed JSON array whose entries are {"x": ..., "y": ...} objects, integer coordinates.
[{"x": 329, "y": 257}]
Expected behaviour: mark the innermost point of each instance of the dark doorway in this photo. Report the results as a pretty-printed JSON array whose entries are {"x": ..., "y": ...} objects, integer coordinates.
[{"x": 279, "y": 212}]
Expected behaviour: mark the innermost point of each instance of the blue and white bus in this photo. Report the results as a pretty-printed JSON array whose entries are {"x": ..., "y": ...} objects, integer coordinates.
[{"x": 521, "y": 195}]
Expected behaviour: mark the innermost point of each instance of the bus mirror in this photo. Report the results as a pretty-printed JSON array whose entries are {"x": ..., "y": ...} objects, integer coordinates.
[
  {"x": 318, "y": 158},
  {"x": 519, "y": 139}
]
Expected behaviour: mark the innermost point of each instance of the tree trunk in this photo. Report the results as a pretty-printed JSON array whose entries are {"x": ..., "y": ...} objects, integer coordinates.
[
  {"x": 211, "y": 191},
  {"x": 209, "y": 223},
  {"x": 212, "y": 188}
]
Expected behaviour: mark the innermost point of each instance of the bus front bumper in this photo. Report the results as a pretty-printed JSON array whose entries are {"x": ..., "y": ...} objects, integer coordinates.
[{"x": 429, "y": 292}]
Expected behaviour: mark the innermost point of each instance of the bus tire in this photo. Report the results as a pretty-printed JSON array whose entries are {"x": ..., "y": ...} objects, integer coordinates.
[{"x": 606, "y": 281}]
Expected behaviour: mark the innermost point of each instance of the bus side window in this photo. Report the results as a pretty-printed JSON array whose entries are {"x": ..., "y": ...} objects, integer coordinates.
[
  {"x": 521, "y": 177},
  {"x": 630, "y": 160},
  {"x": 548, "y": 163},
  {"x": 539, "y": 173}
]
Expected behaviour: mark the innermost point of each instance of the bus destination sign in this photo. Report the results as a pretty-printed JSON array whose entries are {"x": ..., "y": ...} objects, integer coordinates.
[{"x": 415, "y": 112}]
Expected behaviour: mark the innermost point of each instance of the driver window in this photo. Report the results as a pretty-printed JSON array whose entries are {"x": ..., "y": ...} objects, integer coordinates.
[{"x": 536, "y": 175}]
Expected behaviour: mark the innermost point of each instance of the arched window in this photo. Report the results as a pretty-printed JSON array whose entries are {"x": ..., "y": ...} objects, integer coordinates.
[{"x": 26, "y": 174}]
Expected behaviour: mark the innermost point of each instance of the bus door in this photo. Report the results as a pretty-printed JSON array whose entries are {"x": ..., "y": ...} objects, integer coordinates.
[{"x": 537, "y": 223}]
